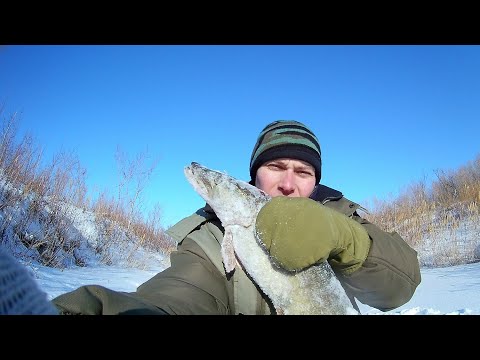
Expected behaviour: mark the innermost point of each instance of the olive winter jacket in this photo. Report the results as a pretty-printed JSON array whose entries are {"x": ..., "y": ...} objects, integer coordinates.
[{"x": 196, "y": 283}]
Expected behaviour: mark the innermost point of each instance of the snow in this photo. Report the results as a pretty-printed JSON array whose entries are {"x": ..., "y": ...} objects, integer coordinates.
[{"x": 453, "y": 290}]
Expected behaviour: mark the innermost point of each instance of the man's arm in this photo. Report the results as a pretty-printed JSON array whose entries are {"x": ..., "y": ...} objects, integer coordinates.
[
  {"x": 389, "y": 275},
  {"x": 191, "y": 285}
]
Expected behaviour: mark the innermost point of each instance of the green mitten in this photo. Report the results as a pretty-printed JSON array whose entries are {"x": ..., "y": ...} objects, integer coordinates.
[{"x": 300, "y": 232}]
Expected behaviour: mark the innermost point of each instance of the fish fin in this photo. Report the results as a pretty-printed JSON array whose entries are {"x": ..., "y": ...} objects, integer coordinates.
[{"x": 228, "y": 251}]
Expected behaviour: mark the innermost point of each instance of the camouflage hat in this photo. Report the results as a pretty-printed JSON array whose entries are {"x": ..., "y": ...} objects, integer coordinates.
[{"x": 286, "y": 139}]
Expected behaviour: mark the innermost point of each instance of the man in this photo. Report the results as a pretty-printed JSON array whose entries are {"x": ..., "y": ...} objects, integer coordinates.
[{"x": 373, "y": 266}]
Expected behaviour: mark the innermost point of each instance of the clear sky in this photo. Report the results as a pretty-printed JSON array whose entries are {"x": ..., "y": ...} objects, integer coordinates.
[{"x": 385, "y": 116}]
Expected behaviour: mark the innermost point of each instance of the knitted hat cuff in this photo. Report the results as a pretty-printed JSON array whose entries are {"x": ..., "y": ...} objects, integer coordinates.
[{"x": 296, "y": 152}]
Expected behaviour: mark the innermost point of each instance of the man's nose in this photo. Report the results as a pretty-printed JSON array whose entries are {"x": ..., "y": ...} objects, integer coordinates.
[{"x": 287, "y": 183}]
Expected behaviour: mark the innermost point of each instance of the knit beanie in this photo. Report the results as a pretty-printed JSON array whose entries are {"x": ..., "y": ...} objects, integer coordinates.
[
  {"x": 286, "y": 139},
  {"x": 19, "y": 292}
]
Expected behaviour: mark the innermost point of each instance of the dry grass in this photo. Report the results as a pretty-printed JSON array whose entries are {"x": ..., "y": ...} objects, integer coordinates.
[
  {"x": 46, "y": 189},
  {"x": 125, "y": 208},
  {"x": 441, "y": 219}
]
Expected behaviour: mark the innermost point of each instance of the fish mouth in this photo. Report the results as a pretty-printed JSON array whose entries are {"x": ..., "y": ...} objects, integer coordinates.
[
  {"x": 197, "y": 170},
  {"x": 192, "y": 169},
  {"x": 197, "y": 176}
]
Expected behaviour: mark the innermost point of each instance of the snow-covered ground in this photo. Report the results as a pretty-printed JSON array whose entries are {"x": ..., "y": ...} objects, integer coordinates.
[{"x": 453, "y": 290}]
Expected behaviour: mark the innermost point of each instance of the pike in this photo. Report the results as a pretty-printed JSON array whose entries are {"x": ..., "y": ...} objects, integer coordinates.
[{"x": 315, "y": 290}]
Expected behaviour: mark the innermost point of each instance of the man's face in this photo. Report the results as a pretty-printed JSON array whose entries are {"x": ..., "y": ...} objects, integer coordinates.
[{"x": 286, "y": 177}]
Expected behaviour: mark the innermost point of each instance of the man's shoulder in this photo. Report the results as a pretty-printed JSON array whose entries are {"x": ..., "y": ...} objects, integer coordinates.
[
  {"x": 203, "y": 229},
  {"x": 185, "y": 226}
]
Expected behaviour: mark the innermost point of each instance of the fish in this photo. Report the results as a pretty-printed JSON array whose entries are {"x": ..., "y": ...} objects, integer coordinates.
[{"x": 312, "y": 291}]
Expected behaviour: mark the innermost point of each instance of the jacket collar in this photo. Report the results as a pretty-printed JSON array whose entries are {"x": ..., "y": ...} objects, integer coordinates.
[{"x": 324, "y": 193}]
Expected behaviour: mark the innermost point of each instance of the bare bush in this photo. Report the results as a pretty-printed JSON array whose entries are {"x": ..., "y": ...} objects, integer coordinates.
[
  {"x": 127, "y": 208},
  {"x": 36, "y": 202}
]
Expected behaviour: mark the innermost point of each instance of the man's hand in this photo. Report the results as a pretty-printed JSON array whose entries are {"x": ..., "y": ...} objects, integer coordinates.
[{"x": 300, "y": 232}]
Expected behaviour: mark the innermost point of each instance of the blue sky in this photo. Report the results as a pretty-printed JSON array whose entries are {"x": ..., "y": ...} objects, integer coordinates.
[{"x": 385, "y": 116}]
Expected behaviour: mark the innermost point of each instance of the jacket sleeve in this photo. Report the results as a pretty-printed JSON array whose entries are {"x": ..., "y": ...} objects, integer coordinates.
[
  {"x": 390, "y": 274},
  {"x": 191, "y": 285}
]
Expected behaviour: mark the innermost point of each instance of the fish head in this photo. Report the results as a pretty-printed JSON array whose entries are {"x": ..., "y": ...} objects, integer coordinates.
[{"x": 234, "y": 201}]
